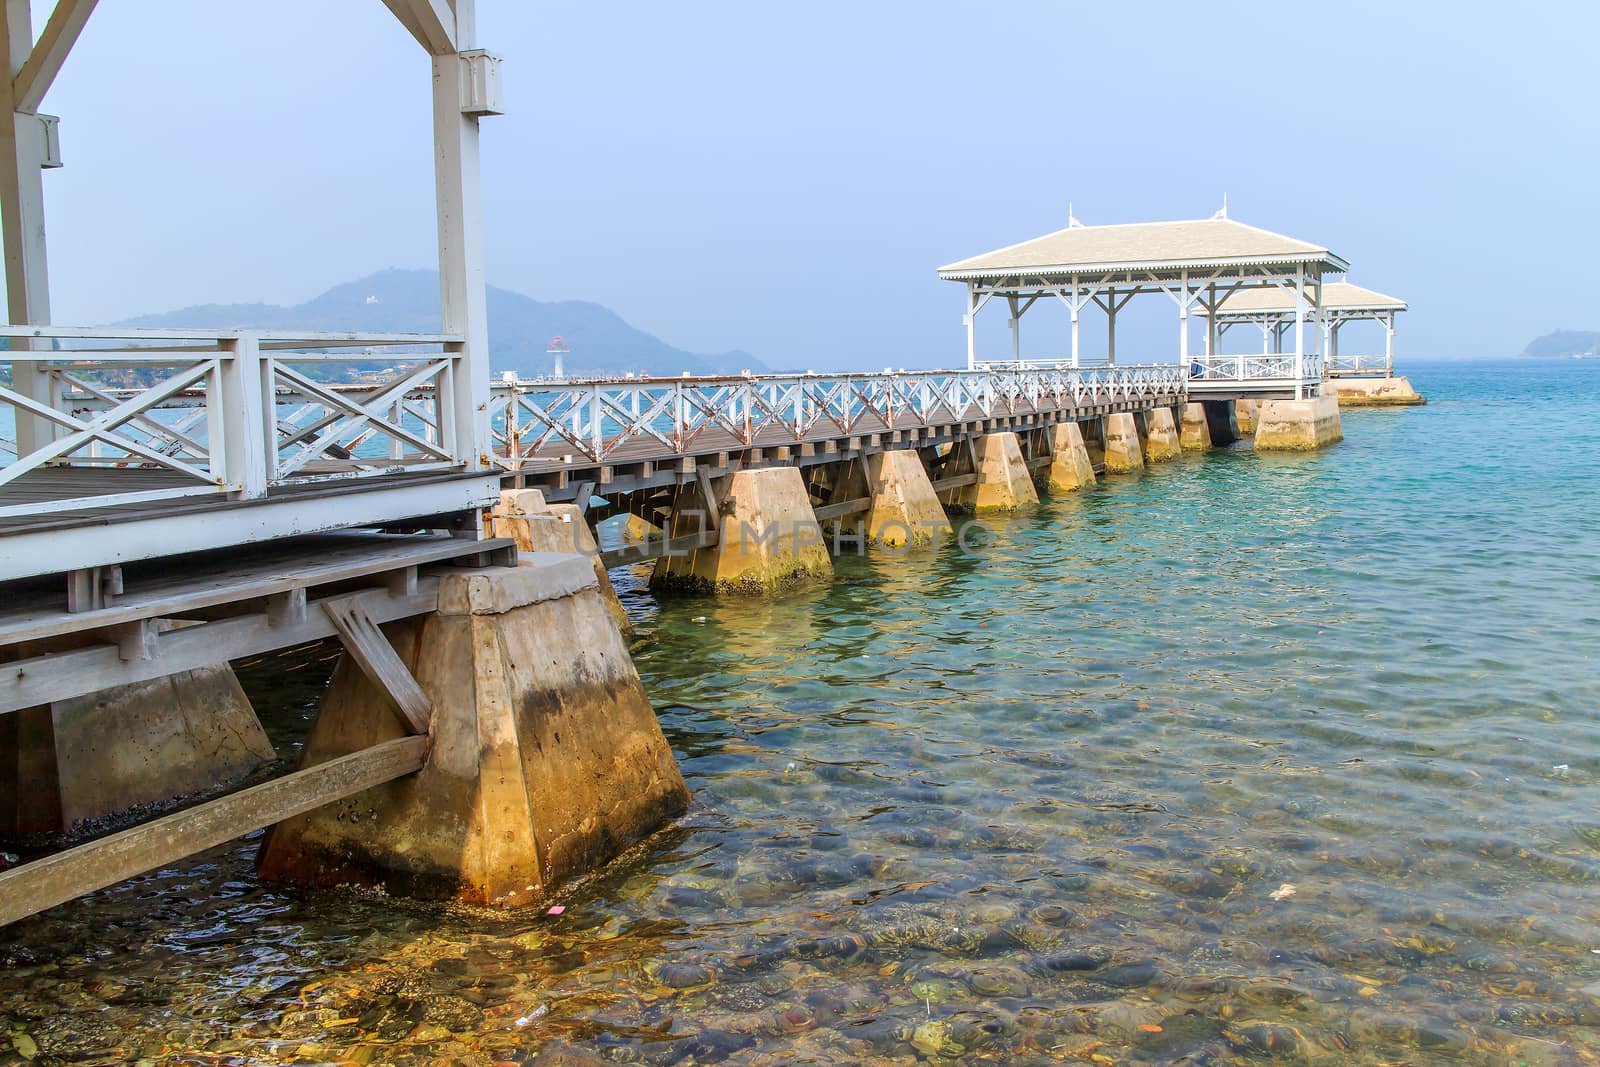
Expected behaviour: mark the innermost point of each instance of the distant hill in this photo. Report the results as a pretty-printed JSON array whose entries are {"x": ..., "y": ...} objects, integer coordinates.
[
  {"x": 520, "y": 328},
  {"x": 1564, "y": 344}
]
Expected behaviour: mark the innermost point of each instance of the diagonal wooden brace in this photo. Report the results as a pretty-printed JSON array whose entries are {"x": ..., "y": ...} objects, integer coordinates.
[{"x": 379, "y": 661}]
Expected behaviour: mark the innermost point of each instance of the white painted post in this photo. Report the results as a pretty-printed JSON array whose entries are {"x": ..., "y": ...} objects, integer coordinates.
[
  {"x": 1333, "y": 343},
  {"x": 970, "y": 319},
  {"x": 1183, "y": 321},
  {"x": 1076, "y": 305},
  {"x": 1388, "y": 346},
  {"x": 463, "y": 289},
  {"x": 1111, "y": 327},
  {"x": 1269, "y": 327},
  {"x": 22, "y": 153},
  {"x": 1016, "y": 328},
  {"x": 1299, "y": 333},
  {"x": 239, "y": 412},
  {"x": 1211, "y": 320}
]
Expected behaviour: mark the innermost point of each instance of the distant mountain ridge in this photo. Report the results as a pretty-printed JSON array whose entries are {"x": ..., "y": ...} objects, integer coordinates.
[
  {"x": 1564, "y": 344},
  {"x": 520, "y": 328}
]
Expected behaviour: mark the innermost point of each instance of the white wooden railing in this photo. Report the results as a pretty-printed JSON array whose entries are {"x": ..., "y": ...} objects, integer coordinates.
[
  {"x": 1259, "y": 368},
  {"x": 1373, "y": 365},
  {"x": 596, "y": 419},
  {"x": 222, "y": 412}
]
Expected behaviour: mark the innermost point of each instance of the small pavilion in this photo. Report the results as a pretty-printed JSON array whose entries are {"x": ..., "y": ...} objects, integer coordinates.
[
  {"x": 1273, "y": 312},
  {"x": 1198, "y": 264}
]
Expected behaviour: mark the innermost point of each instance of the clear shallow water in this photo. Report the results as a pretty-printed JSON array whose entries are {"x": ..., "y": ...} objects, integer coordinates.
[{"x": 1246, "y": 759}]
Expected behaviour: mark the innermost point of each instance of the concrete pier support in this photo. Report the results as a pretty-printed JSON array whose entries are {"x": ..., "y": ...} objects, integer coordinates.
[
  {"x": 545, "y": 759},
  {"x": 1375, "y": 392},
  {"x": 1244, "y": 416},
  {"x": 1221, "y": 422},
  {"x": 1123, "y": 454},
  {"x": 1004, "y": 483},
  {"x": 1161, "y": 441},
  {"x": 127, "y": 747},
  {"x": 905, "y": 508},
  {"x": 1196, "y": 432},
  {"x": 1298, "y": 425},
  {"x": 767, "y": 538},
  {"x": 536, "y": 526},
  {"x": 1094, "y": 441},
  {"x": 1070, "y": 467}
]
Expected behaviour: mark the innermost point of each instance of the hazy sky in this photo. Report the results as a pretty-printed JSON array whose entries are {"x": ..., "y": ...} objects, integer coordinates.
[{"x": 786, "y": 178}]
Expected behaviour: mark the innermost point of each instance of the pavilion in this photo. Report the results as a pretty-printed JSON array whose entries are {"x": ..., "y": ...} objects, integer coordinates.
[
  {"x": 1342, "y": 302},
  {"x": 1199, "y": 264}
]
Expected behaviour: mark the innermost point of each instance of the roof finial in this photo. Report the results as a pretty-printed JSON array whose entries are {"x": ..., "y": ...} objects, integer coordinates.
[
  {"x": 1223, "y": 212},
  {"x": 1072, "y": 220}
]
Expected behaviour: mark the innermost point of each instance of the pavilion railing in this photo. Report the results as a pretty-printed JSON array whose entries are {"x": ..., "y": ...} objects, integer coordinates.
[
  {"x": 1261, "y": 367},
  {"x": 1377, "y": 365},
  {"x": 596, "y": 420},
  {"x": 215, "y": 412}
]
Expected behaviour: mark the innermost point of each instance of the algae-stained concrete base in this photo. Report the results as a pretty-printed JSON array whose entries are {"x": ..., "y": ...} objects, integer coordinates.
[
  {"x": 1123, "y": 454},
  {"x": 1196, "y": 431},
  {"x": 1161, "y": 441},
  {"x": 127, "y": 747},
  {"x": 1244, "y": 416},
  {"x": 1298, "y": 425},
  {"x": 536, "y": 526},
  {"x": 1004, "y": 482},
  {"x": 545, "y": 759},
  {"x": 1070, "y": 467},
  {"x": 1375, "y": 392},
  {"x": 767, "y": 539},
  {"x": 1094, "y": 441},
  {"x": 905, "y": 509}
]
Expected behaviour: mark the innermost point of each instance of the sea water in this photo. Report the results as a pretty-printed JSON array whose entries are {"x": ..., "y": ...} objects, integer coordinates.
[{"x": 1249, "y": 758}]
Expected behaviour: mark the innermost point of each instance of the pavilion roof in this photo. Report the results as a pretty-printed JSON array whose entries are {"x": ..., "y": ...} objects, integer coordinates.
[
  {"x": 1193, "y": 244},
  {"x": 1337, "y": 296}
]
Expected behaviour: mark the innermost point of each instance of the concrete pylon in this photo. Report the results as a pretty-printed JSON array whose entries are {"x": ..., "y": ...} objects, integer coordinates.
[
  {"x": 767, "y": 538},
  {"x": 126, "y": 747},
  {"x": 1196, "y": 433},
  {"x": 1070, "y": 467},
  {"x": 1299, "y": 425},
  {"x": 536, "y": 526},
  {"x": 545, "y": 759},
  {"x": 1094, "y": 441},
  {"x": 905, "y": 509},
  {"x": 1161, "y": 441},
  {"x": 1004, "y": 483},
  {"x": 1123, "y": 454},
  {"x": 1244, "y": 416}
]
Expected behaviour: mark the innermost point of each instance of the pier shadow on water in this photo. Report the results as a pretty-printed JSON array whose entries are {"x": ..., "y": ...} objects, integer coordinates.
[{"x": 1247, "y": 759}]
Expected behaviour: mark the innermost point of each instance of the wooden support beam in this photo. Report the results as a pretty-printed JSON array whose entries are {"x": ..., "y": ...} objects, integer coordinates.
[
  {"x": 379, "y": 661},
  {"x": 33, "y": 887},
  {"x": 843, "y": 508},
  {"x": 655, "y": 547},
  {"x": 49, "y": 52},
  {"x": 431, "y": 22},
  {"x": 955, "y": 481}
]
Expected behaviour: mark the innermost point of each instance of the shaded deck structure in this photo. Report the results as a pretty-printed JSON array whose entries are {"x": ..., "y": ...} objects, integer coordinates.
[
  {"x": 1272, "y": 312},
  {"x": 1198, "y": 264}
]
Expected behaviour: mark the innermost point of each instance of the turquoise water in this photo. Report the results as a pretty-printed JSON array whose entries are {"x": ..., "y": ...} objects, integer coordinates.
[{"x": 1245, "y": 759}]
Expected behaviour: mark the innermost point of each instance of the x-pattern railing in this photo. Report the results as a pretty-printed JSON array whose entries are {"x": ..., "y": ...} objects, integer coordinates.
[
  {"x": 1360, "y": 364},
  {"x": 596, "y": 420},
  {"x": 1259, "y": 367},
  {"x": 235, "y": 412}
]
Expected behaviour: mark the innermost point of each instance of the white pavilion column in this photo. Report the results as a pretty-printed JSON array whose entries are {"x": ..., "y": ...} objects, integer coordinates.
[
  {"x": 1016, "y": 328},
  {"x": 22, "y": 155},
  {"x": 1388, "y": 345},
  {"x": 1074, "y": 306},
  {"x": 1111, "y": 326},
  {"x": 463, "y": 288},
  {"x": 1299, "y": 333},
  {"x": 1183, "y": 322},
  {"x": 1269, "y": 327},
  {"x": 970, "y": 319},
  {"x": 1333, "y": 342},
  {"x": 1212, "y": 335}
]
